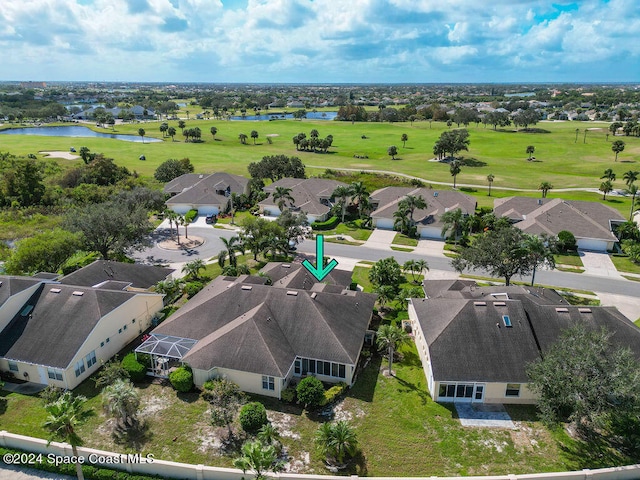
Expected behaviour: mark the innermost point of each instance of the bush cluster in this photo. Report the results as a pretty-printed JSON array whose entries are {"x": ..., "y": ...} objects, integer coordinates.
[
  {"x": 181, "y": 379},
  {"x": 333, "y": 393},
  {"x": 191, "y": 288},
  {"x": 326, "y": 225},
  {"x": 310, "y": 391},
  {"x": 253, "y": 416},
  {"x": 190, "y": 215},
  {"x": 288, "y": 395},
  {"x": 134, "y": 368}
]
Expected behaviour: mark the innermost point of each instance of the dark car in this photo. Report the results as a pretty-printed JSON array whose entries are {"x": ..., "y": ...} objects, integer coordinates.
[{"x": 211, "y": 218}]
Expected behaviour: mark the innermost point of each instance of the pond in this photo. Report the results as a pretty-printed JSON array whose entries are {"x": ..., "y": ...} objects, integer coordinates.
[
  {"x": 283, "y": 116},
  {"x": 75, "y": 131}
]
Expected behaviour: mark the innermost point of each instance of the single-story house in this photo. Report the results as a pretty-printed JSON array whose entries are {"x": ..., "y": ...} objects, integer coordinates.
[
  {"x": 209, "y": 195},
  {"x": 428, "y": 220},
  {"x": 590, "y": 222},
  {"x": 313, "y": 196},
  {"x": 131, "y": 276},
  {"x": 294, "y": 275},
  {"x": 263, "y": 337},
  {"x": 475, "y": 342},
  {"x": 57, "y": 334}
]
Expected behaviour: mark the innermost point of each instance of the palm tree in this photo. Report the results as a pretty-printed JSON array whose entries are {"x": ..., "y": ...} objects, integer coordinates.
[
  {"x": 606, "y": 187},
  {"x": 281, "y": 195},
  {"x": 269, "y": 435},
  {"x": 192, "y": 268},
  {"x": 181, "y": 124},
  {"x": 84, "y": 154},
  {"x": 416, "y": 267},
  {"x": 413, "y": 203},
  {"x": 232, "y": 245},
  {"x": 530, "y": 150},
  {"x": 163, "y": 129},
  {"x": 401, "y": 222},
  {"x": 121, "y": 400},
  {"x": 172, "y": 217},
  {"x": 343, "y": 192},
  {"x": 213, "y": 131},
  {"x": 181, "y": 220},
  {"x": 392, "y": 151},
  {"x": 609, "y": 175},
  {"x": 171, "y": 131},
  {"x": 337, "y": 441},
  {"x": 141, "y": 132},
  {"x": 404, "y": 139},
  {"x": 490, "y": 179},
  {"x": 390, "y": 338},
  {"x": 617, "y": 147},
  {"x": 359, "y": 193},
  {"x": 259, "y": 459},
  {"x": 64, "y": 416},
  {"x": 314, "y": 133},
  {"x": 254, "y": 135},
  {"x": 452, "y": 223},
  {"x": 541, "y": 250},
  {"x": 633, "y": 190},
  {"x": 545, "y": 187},
  {"x": 630, "y": 177},
  {"x": 454, "y": 168}
]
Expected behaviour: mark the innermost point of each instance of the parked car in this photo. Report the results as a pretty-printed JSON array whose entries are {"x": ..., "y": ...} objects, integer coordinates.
[
  {"x": 211, "y": 218},
  {"x": 72, "y": 150},
  {"x": 142, "y": 157}
]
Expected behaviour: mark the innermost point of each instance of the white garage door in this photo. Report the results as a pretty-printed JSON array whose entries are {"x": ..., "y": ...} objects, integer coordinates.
[
  {"x": 592, "y": 244},
  {"x": 385, "y": 223}
]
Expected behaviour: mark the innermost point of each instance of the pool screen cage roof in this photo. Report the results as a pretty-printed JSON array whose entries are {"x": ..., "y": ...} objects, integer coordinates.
[{"x": 166, "y": 346}]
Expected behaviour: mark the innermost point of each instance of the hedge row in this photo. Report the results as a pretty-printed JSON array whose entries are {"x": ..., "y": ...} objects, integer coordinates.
[{"x": 326, "y": 225}]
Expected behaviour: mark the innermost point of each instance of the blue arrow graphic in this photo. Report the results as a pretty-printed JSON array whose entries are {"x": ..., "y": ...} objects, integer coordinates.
[{"x": 321, "y": 270}]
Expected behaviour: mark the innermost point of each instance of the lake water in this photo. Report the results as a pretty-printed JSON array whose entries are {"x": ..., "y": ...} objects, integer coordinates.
[
  {"x": 282, "y": 116},
  {"x": 75, "y": 131}
]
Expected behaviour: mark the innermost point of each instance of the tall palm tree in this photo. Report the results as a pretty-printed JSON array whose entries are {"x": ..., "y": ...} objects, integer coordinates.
[
  {"x": 213, "y": 131},
  {"x": 453, "y": 221},
  {"x": 343, "y": 192},
  {"x": 404, "y": 139},
  {"x": 171, "y": 131},
  {"x": 359, "y": 193},
  {"x": 416, "y": 267},
  {"x": 633, "y": 190},
  {"x": 183, "y": 221},
  {"x": 413, "y": 203},
  {"x": 243, "y": 138},
  {"x": 172, "y": 217},
  {"x": 232, "y": 245},
  {"x": 121, "y": 400},
  {"x": 401, "y": 220},
  {"x": 609, "y": 175},
  {"x": 254, "y": 135},
  {"x": 490, "y": 179},
  {"x": 65, "y": 415},
  {"x": 192, "y": 268},
  {"x": 541, "y": 252},
  {"x": 142, "y": 133},
  {"x": 455, "y": 168},
  {"x": 606, "y": 187},
  {"x": 390, "y": 338},
  {"x": 84, "y": 154},
  {"x": 617, "y": 147},
  {"x": 281, "y": 195},
  {"x": 259, "y": 459},
  {"x": 545, "y": 187},
  {"x": 630, "y": 177},
  {"x": 530, "y": 150}
]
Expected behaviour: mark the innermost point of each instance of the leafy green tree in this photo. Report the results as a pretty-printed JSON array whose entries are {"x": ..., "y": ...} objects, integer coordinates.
[
  {"x": 276, "y": 167},
  {"x": 258, "y": 458},
  {"x": 64, "y": 416},
  {"x": 142, "y": 133},
  {"x": 606, "y": 187},
  {"x": 85, "y": 154},
  {"x": 455, "y": 167},
  {"x": 390, "y": 338},
  {"x": 584, "y": 379},
  {"x": 526, "y": 117},
  {"x": 490, "y": 179},
  {"x": 530, "y": 150},
  {"x": 192, "y": 268},
  {"x": 453, "y": 141},
  {"x": 343, "y": 193},
  {"x": 416, "y": 267},
  {"x": 386, "y": 271},
  {"x": 225, "y": 399},
  {"x": 254, "y": 135},
  {"x": 213, "y": 131},
  {"x": 181, "y": 125},
  {"x": 545, "y": 187},
  {"x": 172, "y": 168},
  {"x": 44, "y": 252},
  {"x": 617, "y": 147},
  {"x": 310, "y": 391},
  {"x": 453, "y": 220},
  {"x": 392, "y": 151},
  {"x": 336, "y": 441},
  {"x": 404, "y": 139},
  {"x": 110, "y": 373},
  {"x": 502, "y": 253},
  {"x": 566, "y": 242},
  {"x": 498, "y": 119},
  {"x": 23, "y": 182},
  {"x": 253, "y": 416},
  {"x": 121, "y": 400}
]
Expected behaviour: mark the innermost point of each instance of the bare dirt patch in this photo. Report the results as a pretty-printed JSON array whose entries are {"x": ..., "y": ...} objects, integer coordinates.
[
  {"x": 154, "y": 404},
  {"x": 60, "y": 154},
  {"x": 284, "y": 423}
]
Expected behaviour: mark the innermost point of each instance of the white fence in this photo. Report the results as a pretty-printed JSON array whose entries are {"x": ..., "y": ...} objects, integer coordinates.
[{"x": 152, "y": 466}]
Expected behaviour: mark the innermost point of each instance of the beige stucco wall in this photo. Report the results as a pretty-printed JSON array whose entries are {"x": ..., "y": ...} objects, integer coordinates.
[
  {"x": 248, "y": 382},
  {"x": 495, "y": 393},
  {"x": 14, "y": 304}
]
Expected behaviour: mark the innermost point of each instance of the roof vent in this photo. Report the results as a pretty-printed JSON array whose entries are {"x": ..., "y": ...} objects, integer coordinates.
[
  {"x": 499, "y": 304},
  {"x": 435, "y": 194},
  {"x": 314, "y": 295},
  {"x": 480, "y": 304},
  {"x": 539, "y": 201},
  {"x": 506, "y": 320},
  {"x": 246, "y": 287},
  {"x": 286, "y": 265},
  {"x": 562, "y": 310},
  {"x": 200, "y": 176},
  {"x": 0, "y": 284},
  {"x": 78, "y": 293},
  {"x": 584, "y": 310},
  {"x": 55, "y": 290},
  {"x": 293, "y": 293}
]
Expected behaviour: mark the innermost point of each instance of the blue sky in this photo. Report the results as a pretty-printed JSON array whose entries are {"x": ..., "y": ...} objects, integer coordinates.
[{"x": 321, "y": 41}]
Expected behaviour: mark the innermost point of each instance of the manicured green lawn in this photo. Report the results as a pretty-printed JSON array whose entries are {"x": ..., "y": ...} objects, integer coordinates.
[
  {"x": 572, "y": 259},
  {"x": 402, "y": 239},
  {"x": 349, "y": 228},
  {"x": 624, "y": 264}
]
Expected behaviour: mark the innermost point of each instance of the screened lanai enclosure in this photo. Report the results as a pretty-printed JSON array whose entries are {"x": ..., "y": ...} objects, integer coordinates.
[{"x": 166, "y": 352}]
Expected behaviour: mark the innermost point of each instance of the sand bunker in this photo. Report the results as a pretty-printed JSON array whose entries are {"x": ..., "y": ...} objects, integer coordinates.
[{"x": 60, "y": 154}]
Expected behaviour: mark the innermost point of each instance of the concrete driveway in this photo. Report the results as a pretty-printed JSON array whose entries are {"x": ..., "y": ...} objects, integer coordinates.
[
  {"x": 381, "y": 239},
  {"x": 598, "y": 263},
  {"x": 628, "y": 306}
]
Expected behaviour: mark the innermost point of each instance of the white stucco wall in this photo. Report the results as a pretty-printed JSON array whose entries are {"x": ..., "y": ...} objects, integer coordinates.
[{"x": 14, "y": 303}]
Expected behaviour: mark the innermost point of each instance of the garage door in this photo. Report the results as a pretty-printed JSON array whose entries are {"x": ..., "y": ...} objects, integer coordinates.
[
  {"x": 592, "y": 244},
  {"x": 385, "y": 223}
]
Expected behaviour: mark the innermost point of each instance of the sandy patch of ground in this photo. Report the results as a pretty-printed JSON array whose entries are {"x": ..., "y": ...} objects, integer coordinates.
[
  {"x": 60, "y": 154},
  {"x": 153, "y": 405},
  {"x": 185, "y": 243},
  {"x": 298, "y": 465},
  {"x": 283, "y": 422},
  {"x": 341, "y": 413}
]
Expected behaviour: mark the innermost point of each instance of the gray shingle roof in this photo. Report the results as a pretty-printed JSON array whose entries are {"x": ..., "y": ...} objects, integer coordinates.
[
  {"x": 307, "y": 193},
  {"x": 179, "y": 184},
  {"x": 11, "y": 285},
  {"x": 262, "y": 329},
  {"x": 204, "y": 191},
  {"x": 100, "y": 271},
  {"x": 551, "y": 216},
  {"x": 294, "y": 275},
  {"x": 59, "y": 323}
]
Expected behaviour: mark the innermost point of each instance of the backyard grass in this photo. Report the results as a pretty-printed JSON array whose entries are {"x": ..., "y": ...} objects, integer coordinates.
[
  {"x": 624, "y": 264},
  {"x": 402, "y": 239},
  {"x": 400, "y": 430}
]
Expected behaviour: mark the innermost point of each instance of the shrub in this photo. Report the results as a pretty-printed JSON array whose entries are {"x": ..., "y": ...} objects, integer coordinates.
[
  {"x": 310, "y": 391},
  {"x": 288, "y": 395},
  {"x": 190, "y": 215},
  {"x": 49, "y": 394},
  {"x": 253, "y": 416},
  {"x": 326, "y": 225},
  {"x": 333, "y": 393},
  {"x": 191, "y": 288},
  {"x": 181, "y": 379},
  {"x": 134, "y": 368},
  {"x": 566, "y": 241}
]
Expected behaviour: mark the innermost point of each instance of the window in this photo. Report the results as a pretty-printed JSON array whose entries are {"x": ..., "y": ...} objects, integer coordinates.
[
  {"x": 334, "y": 369},
  {"x": 91, "y": 359},
  {"x": 133, "y": 321},
  {"x": 124, "y": 328},
  {"x": 341, "y": 371},
  {"x": 305, "y": 366},
  {"x": 513, "y": 390},
  {"x": 13, "y": 367},
  {"x": 312, "y": 366},
  {"x": 102, "y": 344},
  {"x": 479, "y": 392},
  {"x": 54, "y": 374},
  {"x": 506, "y": 320},
  {"x": 296, "y": 367},
  {"x": 79, "y": 369},
  {"x": 107, "y": 340},
  {"x": 119, "y": 330},
  {"x": 268, "y": 383}
]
